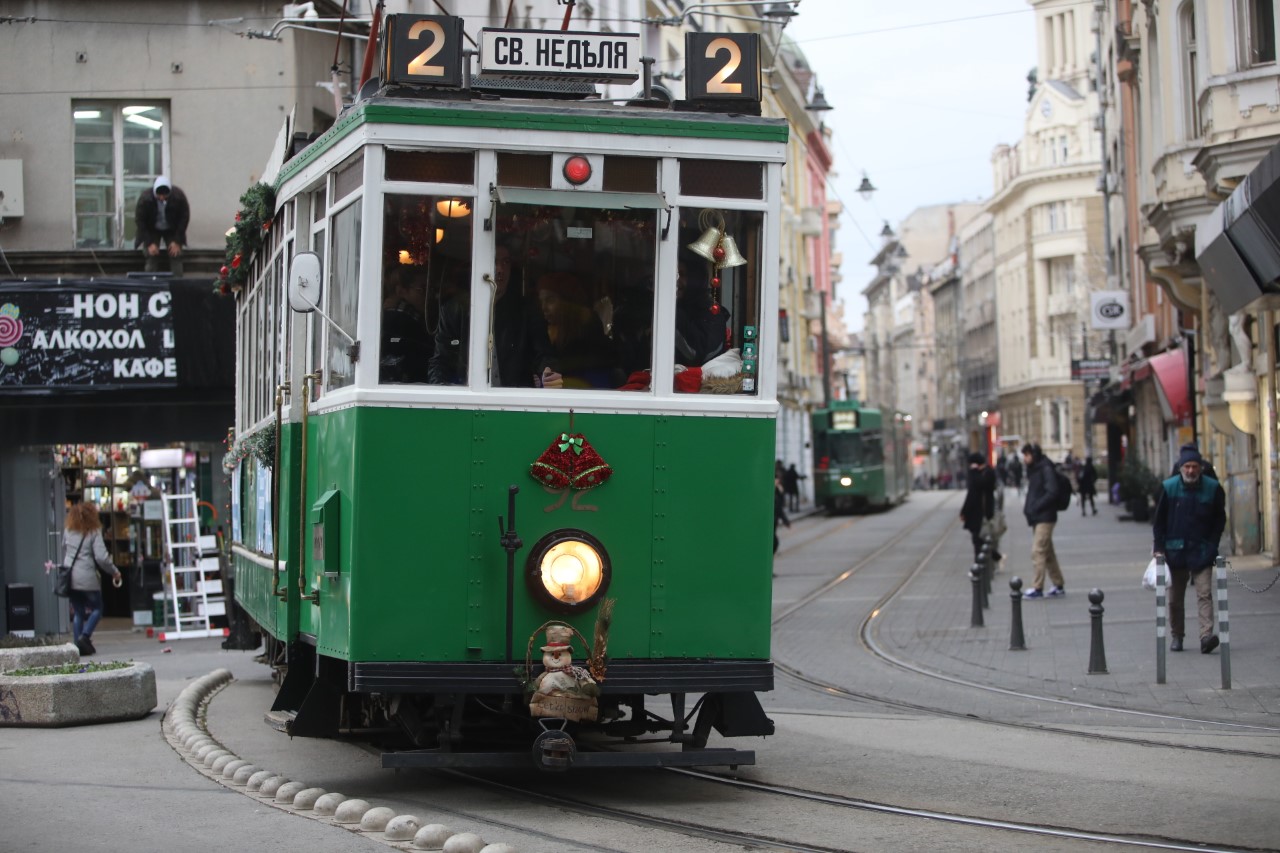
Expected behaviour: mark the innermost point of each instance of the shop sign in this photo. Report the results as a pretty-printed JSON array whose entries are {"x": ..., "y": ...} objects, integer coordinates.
[
  {"x": 85, "y": 337},
  {"x": 1109, "y": 309}
]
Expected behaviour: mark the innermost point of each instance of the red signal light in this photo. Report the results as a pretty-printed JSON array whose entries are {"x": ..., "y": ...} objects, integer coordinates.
[{"x": 577, "y": 170}]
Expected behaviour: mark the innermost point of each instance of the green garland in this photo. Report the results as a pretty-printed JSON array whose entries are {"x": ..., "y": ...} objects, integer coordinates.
[
  {"x": 247, "y": 236},
  {"x": 261, "y": 445}
]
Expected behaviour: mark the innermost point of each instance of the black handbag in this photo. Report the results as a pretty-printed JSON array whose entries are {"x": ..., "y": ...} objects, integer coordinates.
[{"x": 62, "y": 586}]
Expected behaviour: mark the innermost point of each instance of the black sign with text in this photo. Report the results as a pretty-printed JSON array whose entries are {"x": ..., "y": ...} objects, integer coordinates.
[{"x": 86, "y": 337}]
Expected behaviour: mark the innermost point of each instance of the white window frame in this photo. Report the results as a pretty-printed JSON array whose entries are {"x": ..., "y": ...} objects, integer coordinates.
[{"x": 124, "y": 205}]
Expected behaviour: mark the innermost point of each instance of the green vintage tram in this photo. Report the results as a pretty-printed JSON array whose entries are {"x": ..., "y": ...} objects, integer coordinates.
[
  {"x": 861, "y": 458},
  {"x": 507, "y": 395}
]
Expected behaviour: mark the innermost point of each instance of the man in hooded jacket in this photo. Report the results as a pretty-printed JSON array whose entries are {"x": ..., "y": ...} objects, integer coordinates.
[
  {"x": 1190, "y": 517},
  {"x": 161, "y": 217},
  {"x": 1042, "y": 497}
]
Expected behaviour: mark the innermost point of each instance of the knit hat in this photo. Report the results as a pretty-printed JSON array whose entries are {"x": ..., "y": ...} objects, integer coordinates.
[
  {"x": 975, "y": 459},
  {"x": 1189, "y": 454},
  {"x": 162, "y": 183}
]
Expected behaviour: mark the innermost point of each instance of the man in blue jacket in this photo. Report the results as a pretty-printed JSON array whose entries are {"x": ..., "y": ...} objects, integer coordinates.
[{"x": 1190, "y": 518}]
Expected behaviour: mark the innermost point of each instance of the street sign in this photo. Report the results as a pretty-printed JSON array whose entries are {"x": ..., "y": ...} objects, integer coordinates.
[
  {"x": 1087, "y": 369},
  {"x": 602, "y": 57},
  {"x": 1109, "y": 309}
]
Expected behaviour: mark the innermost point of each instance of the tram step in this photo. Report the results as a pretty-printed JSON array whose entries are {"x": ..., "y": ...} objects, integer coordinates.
[{"x": 281, "y": 721}]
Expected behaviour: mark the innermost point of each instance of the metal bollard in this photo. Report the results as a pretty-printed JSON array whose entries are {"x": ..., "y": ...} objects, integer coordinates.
[
  {"x": 975, "y": 579},
  {"x": 1017, "y": 642},
  {"x": 1162, "y": 613},
  {"x": 982, "y": 576},
  {"x": 1097, "y": 654},
  {"x": 1224, "y": 620},
  {"x": 988, "y": 563}
]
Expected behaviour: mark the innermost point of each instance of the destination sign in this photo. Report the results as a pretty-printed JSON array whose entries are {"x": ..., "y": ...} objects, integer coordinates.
[{"x": 605, "y": 57}]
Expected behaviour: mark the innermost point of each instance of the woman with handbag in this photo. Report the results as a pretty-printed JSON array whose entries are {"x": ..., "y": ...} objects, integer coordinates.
[{"x": 83, "y": 538}]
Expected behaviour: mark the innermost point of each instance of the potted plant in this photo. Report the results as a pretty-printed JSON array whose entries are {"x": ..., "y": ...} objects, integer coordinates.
[{"x": 1138, "y": 488}]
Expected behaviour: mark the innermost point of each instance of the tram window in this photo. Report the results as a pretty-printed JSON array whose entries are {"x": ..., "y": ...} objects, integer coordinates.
[
  {"x": 722, "y": 178},
  {"x": 349, "y": 176},
  {"x": 440, "y": 167},
  {"x": 579, "y": 297},
  {"x": 524, "y": 170},
  {"x": 718, "y": 301},
  {"x": 426, "y": 288},
  {"x": 630, "y": 174},
  {"x": 343, "y": 291}
]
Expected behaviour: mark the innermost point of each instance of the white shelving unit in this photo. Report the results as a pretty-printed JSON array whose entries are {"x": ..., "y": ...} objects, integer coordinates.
[{"x": 192, "y": 572}]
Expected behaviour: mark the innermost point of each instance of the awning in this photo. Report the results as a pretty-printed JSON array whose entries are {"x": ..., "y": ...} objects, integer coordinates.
[
  {"x": 1170, "y": 369},
  {"x": 1238, "y": 245}
]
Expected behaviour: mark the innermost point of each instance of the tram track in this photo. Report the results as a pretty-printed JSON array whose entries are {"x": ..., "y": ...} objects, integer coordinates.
[
  {"x": 751, "y": 838},
  {"x": 866, "y": 634}
]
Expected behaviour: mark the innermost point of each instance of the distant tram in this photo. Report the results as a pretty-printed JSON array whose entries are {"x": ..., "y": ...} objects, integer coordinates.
[{"x": 860, "y": 458}]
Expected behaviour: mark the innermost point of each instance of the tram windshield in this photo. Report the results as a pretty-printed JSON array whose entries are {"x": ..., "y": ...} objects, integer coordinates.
[{"x": 857, "y": 450}]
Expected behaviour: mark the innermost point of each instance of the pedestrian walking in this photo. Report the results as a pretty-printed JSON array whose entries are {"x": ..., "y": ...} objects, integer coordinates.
[
  {"x": 1190, "y": 517},
  {"x": 1088, "y": 485},
  {"x": 779, "y": 509},
  {"x": 83, "y": 537},
  {"x": 1043, "y": 490},
  {"x": 979, "y": 500},
  {"x": 791, "y": 487},
  {"x": 1015, "y": 474}
]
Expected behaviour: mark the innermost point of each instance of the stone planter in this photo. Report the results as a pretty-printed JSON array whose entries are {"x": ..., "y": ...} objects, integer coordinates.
[
  {"x": 74, "y": 700},
  {"x": 28, "y": 656}
]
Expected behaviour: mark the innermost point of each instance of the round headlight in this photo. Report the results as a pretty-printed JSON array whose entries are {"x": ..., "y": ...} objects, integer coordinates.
[
  {"x": 846, "y": 481},
  {"x": 568, "y": 570}
]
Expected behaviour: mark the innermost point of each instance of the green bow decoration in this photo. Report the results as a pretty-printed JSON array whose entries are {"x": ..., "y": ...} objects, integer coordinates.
[{"x": 566, "y": 442}]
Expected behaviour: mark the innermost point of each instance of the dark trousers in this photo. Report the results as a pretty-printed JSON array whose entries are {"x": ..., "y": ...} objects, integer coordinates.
[{"x": 1088, "y": 497}]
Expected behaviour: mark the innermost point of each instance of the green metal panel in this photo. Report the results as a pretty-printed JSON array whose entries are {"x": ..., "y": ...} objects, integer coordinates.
[{"x": 685, "y": 518}]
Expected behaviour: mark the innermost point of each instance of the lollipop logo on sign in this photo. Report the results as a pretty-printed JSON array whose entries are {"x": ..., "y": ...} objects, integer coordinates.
[{"x": 10, "y": 333}]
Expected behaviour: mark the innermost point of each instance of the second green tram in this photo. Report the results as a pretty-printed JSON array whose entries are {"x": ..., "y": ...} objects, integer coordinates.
[{"x": 861, "y": 458}]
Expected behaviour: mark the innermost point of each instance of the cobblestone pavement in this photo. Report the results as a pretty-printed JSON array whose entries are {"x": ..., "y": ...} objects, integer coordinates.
[{"x": 926, "y": 625}]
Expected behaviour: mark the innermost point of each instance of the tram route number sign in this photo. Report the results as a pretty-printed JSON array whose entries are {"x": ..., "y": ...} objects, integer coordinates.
[
  {"x": 722, "y": 66},
  {"x": 422, "y": 50},
  {"x": 564, "y": 55}
]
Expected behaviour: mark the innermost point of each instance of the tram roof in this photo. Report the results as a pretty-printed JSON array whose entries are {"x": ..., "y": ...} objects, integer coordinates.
[{"x": 561, "y": 117}]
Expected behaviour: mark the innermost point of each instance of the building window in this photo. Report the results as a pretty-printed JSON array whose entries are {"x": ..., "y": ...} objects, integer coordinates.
[
  {"x": 120, "y": 148},
  {"x": 1190, "y": 76},
  {"x": 1258, "y": 32},
  {"x": 1062, "y": 275}
]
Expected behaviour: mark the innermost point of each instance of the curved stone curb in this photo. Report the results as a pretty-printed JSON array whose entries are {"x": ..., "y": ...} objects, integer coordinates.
[
  {"x": 26, "y": 656},
  {"x": 185, "y": 727},
  {"x": 50, "y": 701}
]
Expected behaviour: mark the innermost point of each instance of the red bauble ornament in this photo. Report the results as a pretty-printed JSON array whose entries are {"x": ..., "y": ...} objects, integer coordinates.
[
  {"x": 235, "y": 262},
  {"x": 224, "y": 272},
  {"x": 715, "y": 282},
  {"x": 715, "y": 309},
  {"x": 717, "y": 253}
]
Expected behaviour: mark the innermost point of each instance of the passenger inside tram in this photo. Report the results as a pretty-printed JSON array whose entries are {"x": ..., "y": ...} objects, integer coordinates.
[
  {"x": 583, "y": 351},
  {"x": 406, "y": 344}
]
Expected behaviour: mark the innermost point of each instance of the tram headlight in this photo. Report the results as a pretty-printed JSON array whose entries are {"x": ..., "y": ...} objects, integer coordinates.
[
  {"x": 568, "y": 570},
  {"x": 846, "y": 481}
]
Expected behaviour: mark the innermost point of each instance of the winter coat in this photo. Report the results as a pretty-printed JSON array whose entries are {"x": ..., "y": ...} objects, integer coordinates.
[
  {"x": 406, "y": 345},
  {"x": 1088, "y": 480},
  {"x": 1042, "y": 493},
  {"x": 520, "y": 342},
  {"x": 177, "y": 214},
  {"x": 980, "y": 499},
  {"x": 1189, "y": 522},
  {"x": 92, "y": 556}
]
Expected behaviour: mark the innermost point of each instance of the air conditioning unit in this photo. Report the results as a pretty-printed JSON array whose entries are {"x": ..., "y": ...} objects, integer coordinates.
[{"x": 11, "y": 195}]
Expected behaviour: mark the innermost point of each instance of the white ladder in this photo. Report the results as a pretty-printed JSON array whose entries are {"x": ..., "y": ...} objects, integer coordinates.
[{"x": 192, "y": 569}]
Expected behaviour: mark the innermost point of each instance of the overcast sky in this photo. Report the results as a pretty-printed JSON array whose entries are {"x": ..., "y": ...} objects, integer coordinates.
[{"x": 919, "y": 105}]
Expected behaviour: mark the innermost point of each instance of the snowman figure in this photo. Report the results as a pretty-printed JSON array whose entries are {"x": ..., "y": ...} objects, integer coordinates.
[{"x": 563, "y": 690}]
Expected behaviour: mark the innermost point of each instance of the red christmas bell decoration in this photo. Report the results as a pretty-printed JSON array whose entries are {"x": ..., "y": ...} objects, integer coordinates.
[{"x": 570, "y": 463}]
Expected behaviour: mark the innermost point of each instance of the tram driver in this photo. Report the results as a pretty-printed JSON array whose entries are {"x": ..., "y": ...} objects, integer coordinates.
[{"x": 522, "y": 354}]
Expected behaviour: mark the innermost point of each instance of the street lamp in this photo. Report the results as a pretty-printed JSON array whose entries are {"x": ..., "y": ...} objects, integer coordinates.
[{"x": 866, "y": 188}]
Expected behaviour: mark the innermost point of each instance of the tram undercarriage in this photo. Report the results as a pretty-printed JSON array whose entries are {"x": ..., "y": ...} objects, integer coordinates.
[{"x": 475, "y": 714}]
